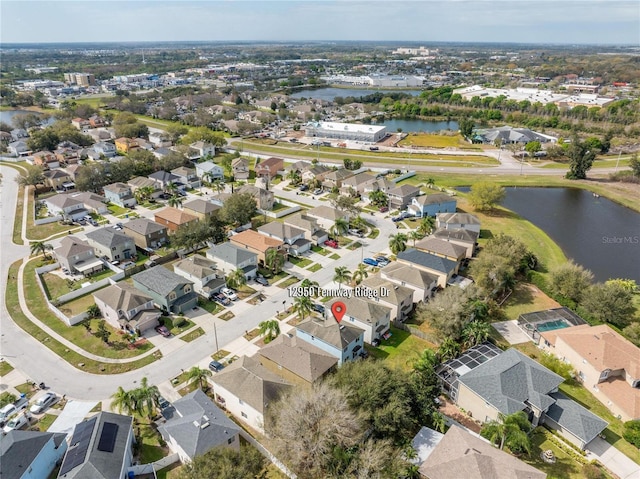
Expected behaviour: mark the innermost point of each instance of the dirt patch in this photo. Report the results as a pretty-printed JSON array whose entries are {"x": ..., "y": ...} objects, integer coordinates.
[{"x": 451, "y": 410}]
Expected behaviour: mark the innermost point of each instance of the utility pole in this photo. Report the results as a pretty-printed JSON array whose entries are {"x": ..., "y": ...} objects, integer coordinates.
[
  {"x": 215, "y": 334},
  {"x": 618, "y": 162}
]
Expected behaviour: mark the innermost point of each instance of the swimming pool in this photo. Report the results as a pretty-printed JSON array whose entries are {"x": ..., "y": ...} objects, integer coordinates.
[{"x": 551, "y": 325}]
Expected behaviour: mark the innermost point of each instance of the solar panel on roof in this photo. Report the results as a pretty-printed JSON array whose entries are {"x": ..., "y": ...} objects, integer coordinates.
[
  {"x": 79, "y": 445},
  {"x": 108, "y": 437}
]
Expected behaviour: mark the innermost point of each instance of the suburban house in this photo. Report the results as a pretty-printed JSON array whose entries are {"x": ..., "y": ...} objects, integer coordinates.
[
  {"x": 30, "y": 454},
  {"x": 378, "y": 184},
  {"x": 298, "y": 166},
  {"x": 269, "y": 168},
  {"x": 357, "y": 182},
  {"x": 202, "y": 149},
  {"x": 170, "y": 291},
  {"x": 293, "y": 238},
  {"x": 296, "y": 361},
  {"x": 186, "y": 176},
  {"x": 398, "y": 298},
  {"x": 229, "y": 258},
  {"x": 59, "y": 180},
  {"x": 104, "y": 148},
  {"x": 452, "y": 221},
  {"x": 101, "y": 448},
  {"x": 401, "y": 196},
  {"x": 173, "y": 218},
  {"x": 334, "y": 179},
  {"x": 326, "y": 216},
  {"x": 315, "y": 172},
  {"x": 209, "y": 171},
  {"x": 486, "y": 381},
  {"x": 207, "y": 280},
  {"x": 460, "y": 454},
  {"x": 124, "y": 307},
  {"x": 264, "y": 198},
  {"x": 342, "y": 341},
  {"x": 240, "y": 169},
  {"x": 200, "y": 208},
  {"x": 112, "y": 243},
  {"x": 18, "y": 148},
  {"x": 66, "y": 206},
  {"x": 46, "y": 159},
  {"x": 422, "y": 283},
  {"x": 197, "y": 426},
  {"x": 442, "y": 248},
  {"x": 431, "y": 205},
  {"x": 119, "y": 194},
  {"x": 96, "y": 121},
  {"x": 443, "y": 268},
  {"x": 465, "y": 238},
  {"x": 80, "y": 123},
  {"x": 372, "y": 317},
  {"x": 257, "y": 243},
  {"x": 92, "y": 202},
  {"x": 312, "y": 231},
  {"x": 246, "y": 389},
  {"x": 607, "y": 364},
  {"x": 77, "y": 256},
  {"x": 159, "y": 139},
  {"x": 124, "y": 145},
  {"x": 163, "y": 178},
  {"x": 146, "y": 233},
  {"x": 144, "y": 182},
  {"x": 19, "y": 134}
]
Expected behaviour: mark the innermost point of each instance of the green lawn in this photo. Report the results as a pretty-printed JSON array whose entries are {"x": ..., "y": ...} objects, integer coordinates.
[
  {"x": 105, "y": 273},
  {"x": 17, "y": 224},
  {"x": 175, "y": 330},
  {"x": 40, "y": 232},
  {"x": 117, "y": 210},
  {"x": 26, "y": 389},
  {"x": 430, "y": 140},
  {"x": 527, "y": 298},
  {"x": 195, "y": 334},
  {"x": 334, "y": 256},
  {"x": 74, "y": 358},
  {"x": 227, "y": 316},
  {"x": 56, "y": 286},
  {"x": 46, "y": 421},
  {"x": 314, "y": 267},
  {"x": 320, "y": 250},
  {"x": 5, "y": 367},
  {"x": 149, "y": 442},
  {"x": 300, "y": 262},
  {"x": 210, "y": 306},
  {"x": 566, "y": 467},
  {"x": 400, "y": 349},
  {"x": 288, "y": 282}
]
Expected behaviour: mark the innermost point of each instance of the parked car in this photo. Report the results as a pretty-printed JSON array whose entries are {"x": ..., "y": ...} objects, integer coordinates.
[
  {"x": 332, "y": 243},
  {"x": 395, "y": 219},
  {"x": 162, "y": 402},
  {"x": 317, "y": 191},
  {"x": 43, "y": 403},
  {"x": 374, "y": 148},
  {"x": 18, "y": 422},
  {"x": 370, "y": 261},
  {"x": 216, "y": 366},
  {"x": 382, "y": 260},
  {"x": 384, "y": 209},
  {"x": 163, "y": 331},
  {"x": 303, "y": 188},
  {"x": 10, "y": 410},
  {"x": 93, "y": 222},
  {"x": 355, "y": 232},
  {"x": 318, "y": 308},
  {"x": 262, "y": 281},
  {"x": 222, "y": 299},
  {"x": 229, "y": 293},
  {"x": 128, "y": 264}
]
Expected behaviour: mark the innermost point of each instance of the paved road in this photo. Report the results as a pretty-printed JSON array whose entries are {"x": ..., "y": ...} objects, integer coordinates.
[{"x": 40, "y": 364}]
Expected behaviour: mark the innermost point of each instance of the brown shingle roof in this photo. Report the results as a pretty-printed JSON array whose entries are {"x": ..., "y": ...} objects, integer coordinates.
[
  {"x": 438, "y": 246},
  {"x": 255, "y": 240},
  {"x": 175, "y": 216}
]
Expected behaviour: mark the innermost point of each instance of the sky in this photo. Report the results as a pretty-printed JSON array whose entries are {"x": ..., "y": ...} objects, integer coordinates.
[{"x": 518, "y": 21}]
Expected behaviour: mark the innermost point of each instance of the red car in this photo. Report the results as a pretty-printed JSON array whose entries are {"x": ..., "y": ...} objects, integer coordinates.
[
  {"x": 332, "y": 243},
  {"x": 384, "y": 209},
  {"x": 162, "y": 330}
]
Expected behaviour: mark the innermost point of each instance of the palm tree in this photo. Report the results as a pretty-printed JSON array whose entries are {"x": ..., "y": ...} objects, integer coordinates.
[
  {"x": 430, "y": 182},
  {"x": 448, "y": 349},
  {"x": 294, "y": 177},
  {"x": 199, "y": 375},
  {"x": 415, "y": 236},
  {"x": 40, "y": 247},
  {"x": 398, "y": 243},
  {"x": 438, "y": 421},
  {"x": 341, "y": 275},
  {"x": 145, "y": 398},
  {"x": 303, "y": 306},
  {"x": 270, "y": 329},
  {"x": 340, "y": 227},
  {"x": 427, "y": 361},
  {"x": 307, "y": 283},
  {"x": 509, "y": 430},
  {"x": 427, "y": 224},
  {"x": 360, "y": 273},
  {"x": 123, "y": 401},
  {"x": 274, "y": 260},
  {"x": 171, "y": 188},
  {"x": 144, "y": 193},
  {"x": 175, "y": 201},
  {"x": 236, "y": 279},
  {"x": 475, "y": 332}
]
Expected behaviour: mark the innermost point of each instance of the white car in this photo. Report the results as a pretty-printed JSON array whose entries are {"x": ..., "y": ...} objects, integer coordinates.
[
  {"x": 17, "y": 422},
  {"x": 229, "y": 293},
  {"x": 43, "y": 403}
]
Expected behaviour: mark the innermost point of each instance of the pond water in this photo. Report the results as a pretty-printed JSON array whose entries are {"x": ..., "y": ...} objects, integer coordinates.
[
  {"x": 329, "y": 94},
  {"x": 419, "y": 125},
  {"x": 595, "y": 232},
  {"x": 7, "y": 115}
]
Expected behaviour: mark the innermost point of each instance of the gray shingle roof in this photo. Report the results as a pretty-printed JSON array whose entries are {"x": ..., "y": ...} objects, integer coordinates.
[
  {"x": 201, "y": 206},
  {"x": 18, "y": 449},
  {"x": 410, "y": 275},
  {"x": 581, "y": 422},
  {"x": 280, "y": 230},
  {"x": 230, "y": 253},
  {"x": 197, "y": 266},
  {"x": 109, "y": 237},
  {"x": 511, "y": 378},
  {"x": 144, "y": 226},
  {"x": 434, "y": 199},
  {"x": 459, "y": 234},
  {"x": 71, "y": 246},
  {"x": 363, "y": 309},
  {"x": 160, "y": 280},
  {"x": 187, "y": 427},
  {"x": 427, "y": 260},
  {"x": 440, "y": 246},
  {"x": 122, "y": 296},
  {"x": 458, "y": 218},
  {"x": 329, "y": 331}
]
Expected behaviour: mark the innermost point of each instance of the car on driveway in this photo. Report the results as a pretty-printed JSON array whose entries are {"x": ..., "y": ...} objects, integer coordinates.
[
  {"x": 317, "y": 191},
  {"x": 370, "y": 261},
  {"x": 18, "y": 422},
  {"x": 163, "y": 331},
  {"x": 229, "y": 294},
  {"x": 355, "y": 232},
  {"x": 262, "y": 281},
  {"x": 216, "y": 366},
  {"x": 384, "y": 209},
  {"x": 43, "y": 403},
  {"x": 318, "y": 308},
  {"x": 382, "y": 260},
  {"x": 332, "y": 243},
  {"x": 162, "y": 403},
  {"x": 303, "y": 188},
  {"x": 222, "y": 299}
]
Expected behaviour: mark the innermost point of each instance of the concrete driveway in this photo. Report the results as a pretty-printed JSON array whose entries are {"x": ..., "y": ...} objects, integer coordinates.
[
  {"x": 612, "y": 459},
  {"x": 511, "y": 332}
]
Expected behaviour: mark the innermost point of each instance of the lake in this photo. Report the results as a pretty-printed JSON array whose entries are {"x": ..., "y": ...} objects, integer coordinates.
[
  {"x": 419, "y": 125},
  {"x": 595, "y": 232},
  {"x": 7, "y": 115},
  {"x": 329, "y": 94}
]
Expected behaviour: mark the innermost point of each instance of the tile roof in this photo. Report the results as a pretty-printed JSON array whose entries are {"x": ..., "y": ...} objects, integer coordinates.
[
  {"x": 197, "y": 266},
  {"x": 579, "y": 421},
  {"x": 230, "y": 253},
  {"x": 460, "y": 454},
  {"x": 160, "y": 280},
  {"x": 301, "y": 358},
  {"x": 201, "y": 206},
  {"x": 280, "y": 230},
  {"x": 438, "y": 198},
  {"x": 410, "y": 275},
  {"x": 199, "y": 425},
  {"x": 144, "y": 226},
  {"x": 122, "y": 296},
  {"x": 175, "y": 216},
  {"x": 255, "y": 240},
  {"x": 251, "y": 382},
  {"x": 427, "y": 260},
  {"x": 71, "y": 246},
  {"x": 329, "y": 331},
  {"x": 511, "y": 378},
  {"x": 439, "y": 246},
  {"x": 18, "y": 450},
  {"x": 109, "y": 237}
]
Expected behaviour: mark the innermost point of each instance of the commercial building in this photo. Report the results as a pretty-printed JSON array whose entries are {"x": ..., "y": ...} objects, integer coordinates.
[{"x": 346, "y": 131}]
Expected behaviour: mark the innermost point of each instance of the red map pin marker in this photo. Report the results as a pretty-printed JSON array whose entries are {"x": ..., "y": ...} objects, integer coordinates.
[{"x": 338, "y": 309}]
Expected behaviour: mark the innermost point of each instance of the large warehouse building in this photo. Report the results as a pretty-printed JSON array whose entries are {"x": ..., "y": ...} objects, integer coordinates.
[{"x": 346, "y": 131}]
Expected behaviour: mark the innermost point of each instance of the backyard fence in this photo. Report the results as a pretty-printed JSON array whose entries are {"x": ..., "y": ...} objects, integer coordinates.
[{"x": 152, "y": 467}]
